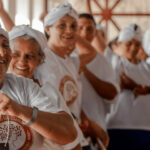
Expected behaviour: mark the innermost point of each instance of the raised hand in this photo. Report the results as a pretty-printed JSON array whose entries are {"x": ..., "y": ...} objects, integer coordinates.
[{"x": 7, "y": 21}]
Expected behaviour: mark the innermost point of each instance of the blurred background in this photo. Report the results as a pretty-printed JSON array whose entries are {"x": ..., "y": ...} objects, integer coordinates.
[{"x": 112, "y": 14}]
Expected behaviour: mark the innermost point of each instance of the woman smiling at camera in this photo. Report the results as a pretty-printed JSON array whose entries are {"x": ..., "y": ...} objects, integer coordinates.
[{"x": 25, "y": 110}]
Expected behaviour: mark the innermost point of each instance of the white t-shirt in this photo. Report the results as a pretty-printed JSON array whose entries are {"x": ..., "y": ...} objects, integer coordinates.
[
  {"x": 60, "y": 103},
  {"x": 115, "y": 62},
  {"x": 63, "y": 75},
  {"x": 95, "y": 106},
  {"x": 140, "y": 72},
  {"x": 130, "y": 112},
  {"x": 26, "y": 92}
]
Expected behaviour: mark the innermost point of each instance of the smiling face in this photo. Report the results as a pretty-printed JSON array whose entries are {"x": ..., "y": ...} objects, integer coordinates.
[
  {"x": 5, "y": 57},
  {"x": 25, "y": 57},
  {"x": 130, "y": 48},
  {"x": 86, "y": 28},
  {"x": 63, "y": 32}
]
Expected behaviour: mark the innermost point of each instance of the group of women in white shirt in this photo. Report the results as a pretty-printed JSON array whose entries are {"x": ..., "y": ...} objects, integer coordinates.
[{"x": 78, "y": 87}]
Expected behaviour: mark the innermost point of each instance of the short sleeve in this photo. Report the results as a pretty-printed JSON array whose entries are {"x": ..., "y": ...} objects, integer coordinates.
[
  {"x": 103, "y": 70},
  {"x": 38, "y": 98}
]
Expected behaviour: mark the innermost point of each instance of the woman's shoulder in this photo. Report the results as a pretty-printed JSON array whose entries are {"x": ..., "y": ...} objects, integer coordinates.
[{"x": 17, "y": 80}]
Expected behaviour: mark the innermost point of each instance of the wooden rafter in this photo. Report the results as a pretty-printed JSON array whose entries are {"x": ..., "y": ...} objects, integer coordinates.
[
  {"x": 107, "y": 13},
  {"x": 116, "y": 3}
]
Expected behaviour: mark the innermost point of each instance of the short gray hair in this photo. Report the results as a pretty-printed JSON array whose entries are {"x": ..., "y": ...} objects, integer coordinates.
[{"x": 27, "y": 37}]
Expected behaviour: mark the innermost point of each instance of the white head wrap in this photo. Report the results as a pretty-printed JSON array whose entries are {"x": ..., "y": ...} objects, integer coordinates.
[
  {"x": 146, "y": 42},
  {"x": 38, "y": 36},
  {"x": 21, "y": 30},
  {"x": 3, "y": 32},
  {"x": 60, "y": 11},
  {"x": 132, "y": 31}
]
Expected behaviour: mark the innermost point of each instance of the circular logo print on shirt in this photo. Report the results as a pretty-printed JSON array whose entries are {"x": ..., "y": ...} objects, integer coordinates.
[
  {"x": 68, "y": 89},
  {"x": 14, "y": 134}
]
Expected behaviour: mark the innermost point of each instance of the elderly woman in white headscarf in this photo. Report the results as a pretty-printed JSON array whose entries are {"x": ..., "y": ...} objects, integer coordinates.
[
  {"x": 28, "y": 116},
  {"x": 28, "y": 48},
  {"x": 139, "y": 71},
  {"x": 126, "y": 48},
  {"x": 61, "y": 25},
  {"x": 62, "y": 72},
  {"x": 127, "y": 122},
  {"x": 129, "y": 42}
]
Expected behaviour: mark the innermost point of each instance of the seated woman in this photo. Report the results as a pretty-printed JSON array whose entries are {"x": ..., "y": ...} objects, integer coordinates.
[
  {"x": 28, "y": 47},
  {"x": 27, "y": 115}
]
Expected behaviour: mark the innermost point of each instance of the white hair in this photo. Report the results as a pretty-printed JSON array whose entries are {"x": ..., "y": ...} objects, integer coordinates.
[{"x": 29, "y": 38}]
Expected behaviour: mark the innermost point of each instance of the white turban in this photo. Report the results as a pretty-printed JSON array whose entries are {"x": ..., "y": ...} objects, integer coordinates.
[
  {"x": 146, "y": 42},
  {"x": 3, "y": 32},
  {"x": 57, "y": 13},
  {"x": 21, "y": 30},
  {"x": 132, "y": 31}
]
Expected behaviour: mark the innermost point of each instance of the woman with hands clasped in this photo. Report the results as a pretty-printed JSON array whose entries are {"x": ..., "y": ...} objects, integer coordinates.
[{"x": 128, "y": 121}]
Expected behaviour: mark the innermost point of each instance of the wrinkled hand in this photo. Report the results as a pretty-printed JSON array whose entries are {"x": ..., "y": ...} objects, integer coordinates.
[{"x": 8, "y": 106}]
